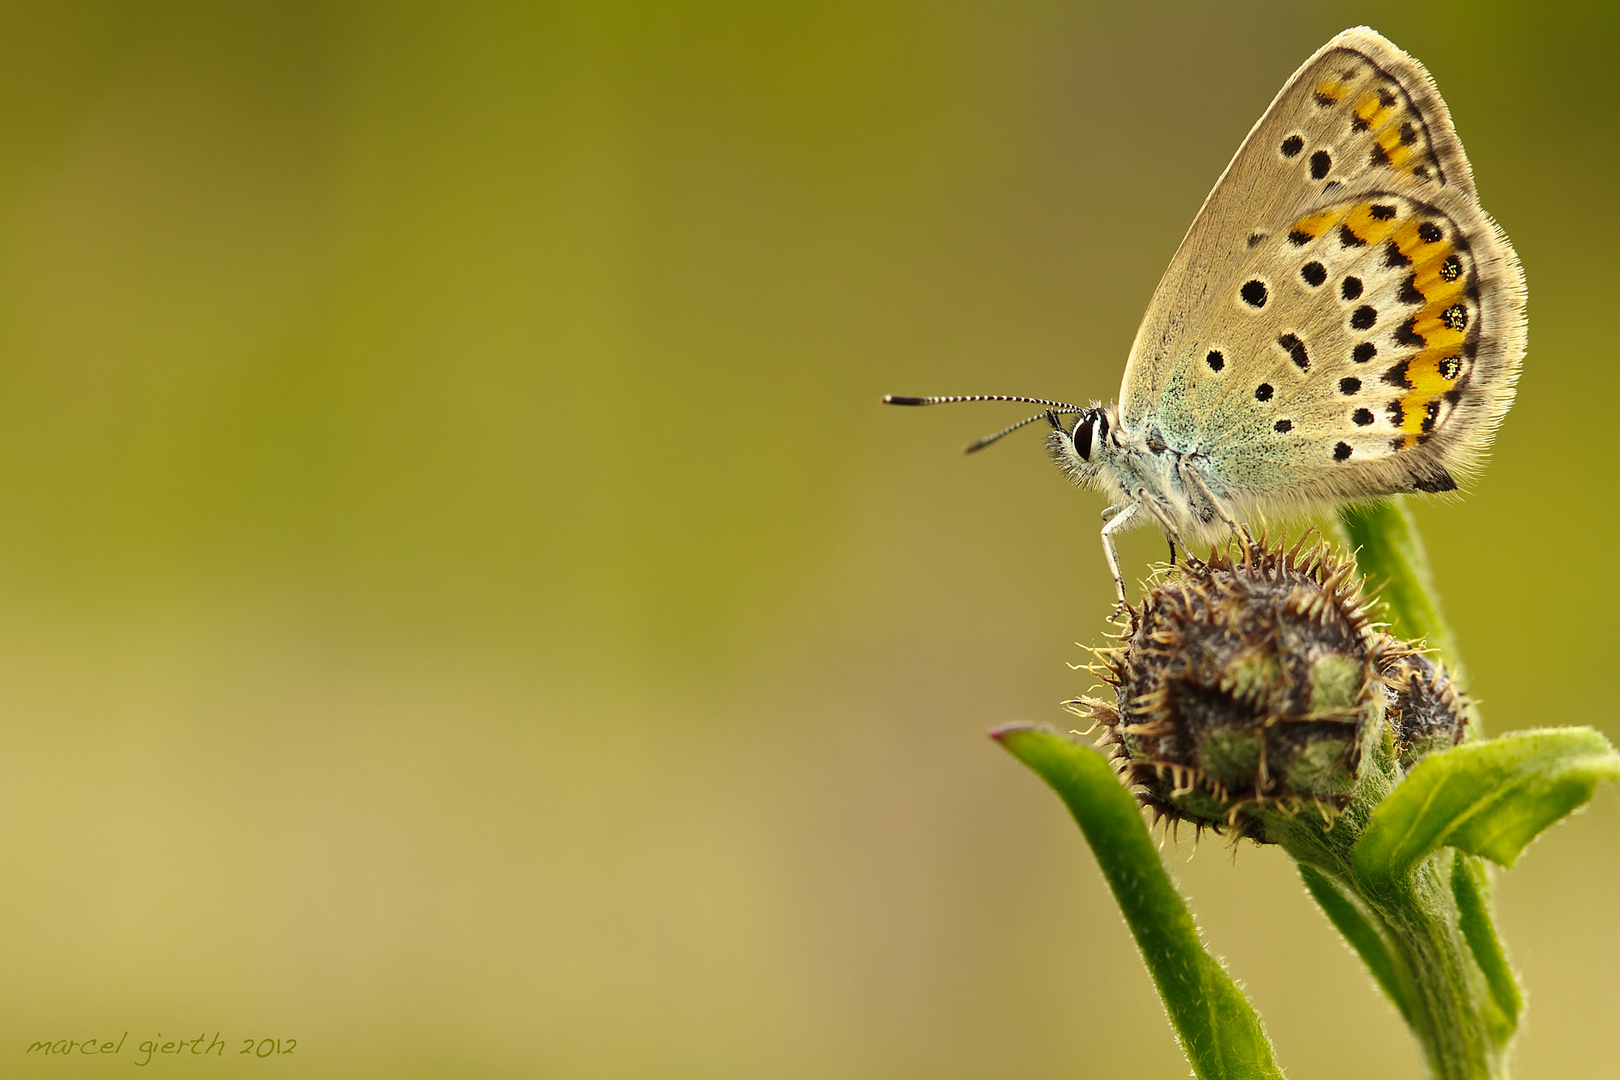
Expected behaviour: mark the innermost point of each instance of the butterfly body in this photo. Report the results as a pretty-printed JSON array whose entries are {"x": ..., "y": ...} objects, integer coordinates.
[{"x": 1342, "y": 321}]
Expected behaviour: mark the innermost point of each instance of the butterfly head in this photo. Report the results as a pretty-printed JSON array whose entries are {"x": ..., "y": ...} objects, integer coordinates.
[{"x": 1080, "y": 445}]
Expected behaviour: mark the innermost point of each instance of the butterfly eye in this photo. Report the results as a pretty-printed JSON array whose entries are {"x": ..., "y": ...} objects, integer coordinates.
[
  {"x": 1090, "y": 428},
  {"x": 1082, "y": 438}
]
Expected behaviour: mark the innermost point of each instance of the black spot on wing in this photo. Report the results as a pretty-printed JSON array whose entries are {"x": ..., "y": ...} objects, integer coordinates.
[
  {"x": 1295, "y": 348},
  {"x": 1439, "y": 480}
]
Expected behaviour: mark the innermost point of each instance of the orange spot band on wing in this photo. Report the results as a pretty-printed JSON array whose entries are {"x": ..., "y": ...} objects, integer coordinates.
[
  {"x": 1437, "y": 325},
  {"x": 1394, "y": 147},
  {"x": 1430, "y": 374},
  {"x": 1363, "y": 220},
  {"x": 1427, "y": 373},
  {"x": 1314, "y": 225},
  {"x": 1330, "y": 92},
  {"x": 1428, "y": 280},
  {"x": 1436, "y": 278},
  {"x": 1372, "y": 112}
]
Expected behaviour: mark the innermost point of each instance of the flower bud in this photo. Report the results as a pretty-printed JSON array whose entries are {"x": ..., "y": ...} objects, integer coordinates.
[
  {"x": 1257, "y": 683},
  {"x": 1426, "y": 711}
]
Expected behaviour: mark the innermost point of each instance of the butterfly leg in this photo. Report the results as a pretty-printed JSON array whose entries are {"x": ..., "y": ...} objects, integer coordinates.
[
  {"x": 1114, "y": 524},
  {"x": 1191, "y": 478},
  {"x": 1170, "y": 532}
]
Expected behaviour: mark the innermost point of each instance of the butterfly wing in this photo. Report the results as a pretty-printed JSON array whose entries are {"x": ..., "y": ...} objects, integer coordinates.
[{"x": 1342, "y": 318}]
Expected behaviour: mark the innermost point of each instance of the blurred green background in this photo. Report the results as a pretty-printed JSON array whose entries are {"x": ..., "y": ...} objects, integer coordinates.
[{"x": 462, "y": 606}]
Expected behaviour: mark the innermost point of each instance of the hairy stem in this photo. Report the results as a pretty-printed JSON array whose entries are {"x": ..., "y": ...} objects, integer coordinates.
[{"x": 1391, "y": 556}]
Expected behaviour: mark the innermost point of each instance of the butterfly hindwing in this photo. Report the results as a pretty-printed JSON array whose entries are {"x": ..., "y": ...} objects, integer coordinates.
[{"x": 1390, "y": 342}]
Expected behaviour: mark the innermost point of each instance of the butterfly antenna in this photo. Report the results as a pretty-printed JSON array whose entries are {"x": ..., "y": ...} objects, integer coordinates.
[
  {"x": 1053, "y": 407},
  {"x": 980, "y": 444}
]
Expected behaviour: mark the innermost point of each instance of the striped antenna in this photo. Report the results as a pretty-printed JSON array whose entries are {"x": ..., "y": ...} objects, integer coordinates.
[{"x": 1054, "y": 408}]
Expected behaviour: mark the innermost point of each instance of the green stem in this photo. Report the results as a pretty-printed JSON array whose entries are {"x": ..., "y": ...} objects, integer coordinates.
[
  {"x": 1391, "y": 556},
  {"x": 1408, "y": 927},
  {"x": 1451, "y": 1014},
  {"x": 1415, "y": 947}
]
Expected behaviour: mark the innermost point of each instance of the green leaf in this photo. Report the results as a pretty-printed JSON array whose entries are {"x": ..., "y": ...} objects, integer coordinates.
[
  {"x": 1362, "y": 932},
  {"x": 1469, "y": 886},
  {"x": 1488, "y": 798},
  {"x": 1219, "y": 1030}
]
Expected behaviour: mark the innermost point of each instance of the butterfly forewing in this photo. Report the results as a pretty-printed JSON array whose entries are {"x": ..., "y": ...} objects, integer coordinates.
[
  {"x": 1358, "y": 107},
  {"x": 1342, "y": 319}
]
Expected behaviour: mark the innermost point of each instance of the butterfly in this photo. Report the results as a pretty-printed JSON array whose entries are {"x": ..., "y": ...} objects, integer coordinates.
[{"x": 1342, "y": 321}]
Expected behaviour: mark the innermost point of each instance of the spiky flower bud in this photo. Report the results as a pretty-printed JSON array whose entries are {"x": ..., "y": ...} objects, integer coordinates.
[
  {"x": 1426, "y": 710},
  {"x": 1259, "y": 682}
]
